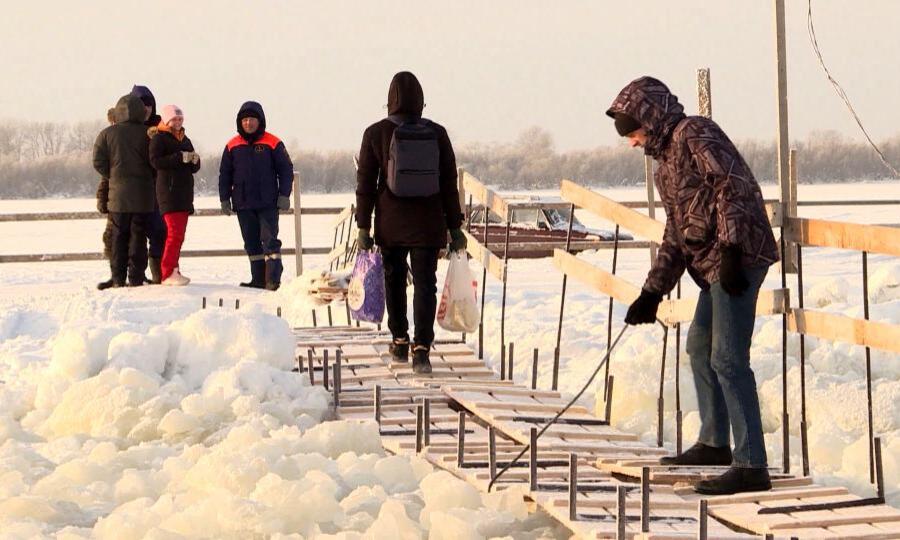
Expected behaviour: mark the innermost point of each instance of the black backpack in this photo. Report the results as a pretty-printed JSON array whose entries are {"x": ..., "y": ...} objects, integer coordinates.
[{"x": 414, "y": 158}]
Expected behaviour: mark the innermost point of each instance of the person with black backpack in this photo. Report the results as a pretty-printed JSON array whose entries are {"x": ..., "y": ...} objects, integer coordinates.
[{"x": 407, "y": 175}]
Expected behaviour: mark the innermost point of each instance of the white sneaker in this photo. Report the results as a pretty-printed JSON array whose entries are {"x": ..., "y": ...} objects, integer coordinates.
[{"x": 176, "y": 279}]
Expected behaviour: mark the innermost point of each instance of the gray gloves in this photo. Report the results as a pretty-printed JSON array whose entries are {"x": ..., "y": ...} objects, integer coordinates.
[
  {"x": 284, "y": 203},
  {"x": 226, "y": 207}
]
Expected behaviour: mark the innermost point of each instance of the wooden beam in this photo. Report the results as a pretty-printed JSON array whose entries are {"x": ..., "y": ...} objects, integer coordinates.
[
  {"x": 770, "y": 302},
  {"x": 841, "y": 235},
  {"x": 604, "y": 207},
  {"x": 483, "y": 256},
  {"x": 834, "y": 327},
  {"x": 590, "y": 275},
  {"x": 487, "y": 196}
]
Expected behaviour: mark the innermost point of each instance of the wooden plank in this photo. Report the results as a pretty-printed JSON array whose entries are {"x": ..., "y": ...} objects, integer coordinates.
[
  {"x": 770, "y": 302},
  {"x": 515, "y": 391},
  {"x": 600, "y": 280},
  {"x": 834, "y": 327},
  {"x": 484, "y": 256},
  {"x": 487, "y": 196},
  {"x": 842, "y": 235},
  {"x": 629, "y": 219}
]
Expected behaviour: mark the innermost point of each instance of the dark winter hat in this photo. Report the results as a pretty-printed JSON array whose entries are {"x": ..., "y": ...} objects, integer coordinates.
[
  {"x": 625, "y": 124},
  {"x": 248, "y": 113},
  {"x": 146, "y": 96}
]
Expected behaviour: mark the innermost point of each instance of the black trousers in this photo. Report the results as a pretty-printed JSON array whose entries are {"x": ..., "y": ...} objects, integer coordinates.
[
  {"x": 128, "y": 243},
  {"x": 156, "y": 234},
  {"x": 259, "y": 228},
  {"x": 423, "y": 264}
]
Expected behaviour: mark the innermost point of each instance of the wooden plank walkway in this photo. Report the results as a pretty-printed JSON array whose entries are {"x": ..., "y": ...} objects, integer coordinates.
[{"x": 464, "y": 419}]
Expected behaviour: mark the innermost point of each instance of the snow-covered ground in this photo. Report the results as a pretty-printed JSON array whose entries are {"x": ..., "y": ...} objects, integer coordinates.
[{"x": 135, "y": 414}]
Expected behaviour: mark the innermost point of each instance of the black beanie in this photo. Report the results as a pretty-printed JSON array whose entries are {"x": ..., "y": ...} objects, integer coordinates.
[
  {"x": 625, "y": 124},
  {"x": 248, "y": 113}
]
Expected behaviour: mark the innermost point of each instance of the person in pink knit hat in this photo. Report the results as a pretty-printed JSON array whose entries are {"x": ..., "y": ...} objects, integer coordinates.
[{"x": 172, "y": 155}]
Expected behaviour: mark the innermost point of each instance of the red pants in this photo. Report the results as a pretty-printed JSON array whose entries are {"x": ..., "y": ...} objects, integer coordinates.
[{"x": 176, "y": 223}]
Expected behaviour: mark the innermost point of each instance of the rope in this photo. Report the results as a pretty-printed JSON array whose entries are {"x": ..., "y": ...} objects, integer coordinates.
[
  {"x": 840, "y": 90},
  {"x": 560, "y": 413}
]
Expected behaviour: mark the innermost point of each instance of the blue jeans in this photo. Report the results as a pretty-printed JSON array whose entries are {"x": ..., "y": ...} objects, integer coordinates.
[{"x": 718, "y": 345}]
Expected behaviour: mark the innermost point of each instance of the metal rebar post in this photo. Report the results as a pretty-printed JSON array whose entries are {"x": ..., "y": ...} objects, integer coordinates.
[
  {"x": 347, "y": 311},
  {"x": 503, "y": 299},
  {"x": 865, "y": 277},
  {"x": 532, "y": 462},
  {"x": 300, "y": 366},
  {"x": 702, "y": 525},
  {"x": 315, "y": 324},
  {"x": 610, "y": 310},
  {"x": 203, "y": 306},
  {"x": 484, "y": 273},
  {"x": 645, "y": 499},
  {"x": 555, "y": 381},
  {"x": 420, "y": 413},
  {"x": 879, "y": 469},
  {"x": 609, "y": 396},
  {"x": 660, "y": 400},
  {"x": 221, "y": 302},
  {"x": 785, "y": 418},
  {"x": 325, "y": 368},
  {"x": 312, "y": 371},
  {"x": 534, "y": 369},
  {"x": 330, "y": 322},
  {"x": 377, "y": 405},
  {"x": 565, "y": 281},
  {"x": 621, "y": 514},
  {"x": 510, "y": 360},
  {"x": 237, "y": 303},
  {"x": 426, "y": 422},
  {"x": 679, "y": 419},
  {"x": 336, "y": 387},
  {"x": 461, "y": 440},
  {"x": 278, "y": 312},
  {"x": 573, "y": 487},
  {"x": 804, "y": 440},
  {"x": 492, "y": 452}
]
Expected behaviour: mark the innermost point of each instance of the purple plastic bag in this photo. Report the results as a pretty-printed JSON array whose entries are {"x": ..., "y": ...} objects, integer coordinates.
[{"x": 365, "y": 295}]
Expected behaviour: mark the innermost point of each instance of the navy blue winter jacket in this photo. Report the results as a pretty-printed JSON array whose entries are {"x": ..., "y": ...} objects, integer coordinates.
[{"x": 255, "y": 168}]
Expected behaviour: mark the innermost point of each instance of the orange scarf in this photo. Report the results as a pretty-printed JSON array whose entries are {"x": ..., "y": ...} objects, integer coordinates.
[{"x": 177, "y": 134}]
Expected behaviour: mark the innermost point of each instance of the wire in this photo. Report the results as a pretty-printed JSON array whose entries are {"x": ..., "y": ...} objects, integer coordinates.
[
  {"x": 560, "y": 413},
  {"x": 840, "y": 90}
]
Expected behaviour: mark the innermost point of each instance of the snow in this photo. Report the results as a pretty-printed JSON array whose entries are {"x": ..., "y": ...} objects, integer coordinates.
[{"x": 137, "y": 414}]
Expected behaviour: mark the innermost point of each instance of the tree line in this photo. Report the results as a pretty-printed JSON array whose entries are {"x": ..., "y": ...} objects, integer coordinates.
[{"x": 47, "y": 159}]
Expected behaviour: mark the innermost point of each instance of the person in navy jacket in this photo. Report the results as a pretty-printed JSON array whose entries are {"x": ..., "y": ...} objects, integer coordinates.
[{"x": 255, "y": 180}]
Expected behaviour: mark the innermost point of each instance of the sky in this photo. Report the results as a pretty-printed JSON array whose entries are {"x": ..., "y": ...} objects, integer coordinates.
[{"x": 490, "y": 69}]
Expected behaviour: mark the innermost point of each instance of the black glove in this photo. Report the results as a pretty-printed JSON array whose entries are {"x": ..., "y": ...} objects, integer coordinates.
[
  {"x": 458, "y": 240},
  {"x": 731, "y": 272},
  {"x": 226, "y": 207},
  {"x": 643, "y": 310},
  {"x": 102, "y": 207},
  {"x": 363, "y": 240},
  {"x": 284, "y": 203}
]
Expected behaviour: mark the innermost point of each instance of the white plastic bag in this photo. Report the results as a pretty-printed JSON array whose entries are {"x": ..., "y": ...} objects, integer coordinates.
[{"x": 458, "y": 310}]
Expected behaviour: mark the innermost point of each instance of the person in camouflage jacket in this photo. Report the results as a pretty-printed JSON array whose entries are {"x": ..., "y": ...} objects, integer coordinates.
[{"x": 717, "y": 230}]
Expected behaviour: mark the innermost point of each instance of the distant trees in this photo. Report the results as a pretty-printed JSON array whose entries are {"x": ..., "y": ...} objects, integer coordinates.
[{"x": 47, "y": 159}]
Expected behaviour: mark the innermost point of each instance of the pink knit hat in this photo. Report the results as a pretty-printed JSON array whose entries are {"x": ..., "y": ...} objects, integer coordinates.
[{"x": 169, "y": 112}]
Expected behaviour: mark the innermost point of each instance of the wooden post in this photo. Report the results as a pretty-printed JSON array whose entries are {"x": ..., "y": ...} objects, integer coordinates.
[
  {"x": 651, "y": 199},
  {"x": 621, "y": 515},
  {"x": 298, "y": 229},
  {"x": 782, "y": 107},
  {"x": 645, "y": 499},
  {"x": 704, "y": 93},
  {"x": 461, "y": 440},
  {"x": 573, "y": 487}
]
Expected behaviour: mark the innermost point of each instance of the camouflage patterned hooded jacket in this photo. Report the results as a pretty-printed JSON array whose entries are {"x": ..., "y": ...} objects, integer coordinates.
[{"x": 709, "y": 193}]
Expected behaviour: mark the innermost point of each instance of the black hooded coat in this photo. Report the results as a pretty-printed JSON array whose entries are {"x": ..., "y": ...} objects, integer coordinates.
[
  {"x": 122, "y": 154},
  {"x": 404, "y": 222}
]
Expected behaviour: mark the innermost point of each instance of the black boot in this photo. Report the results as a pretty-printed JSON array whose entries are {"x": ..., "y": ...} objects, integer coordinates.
[
  {"x": 257, "y": 275},
  {"x": 736, "y": 480},
  {"x": 399, "y": 349},
  {"x": 700, "y": 454},
  {"x": 155, "y": 271},
  {"x": 274, "y": 269},
  {"x": 421, "y": 363},
  {"x": 103, "y": 285}
]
